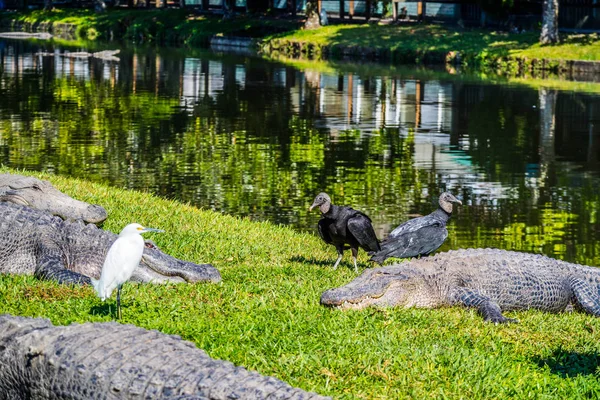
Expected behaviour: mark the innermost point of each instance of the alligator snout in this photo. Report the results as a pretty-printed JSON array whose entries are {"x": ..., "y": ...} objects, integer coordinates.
[
  {"x": 95, "y": 214},
  {"x": 332, "y": 298},
  {"x": 201, "y": 273},
  {"x": 163, "y": 267}
]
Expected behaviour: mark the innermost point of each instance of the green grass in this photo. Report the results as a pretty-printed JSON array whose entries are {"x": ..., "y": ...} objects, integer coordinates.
[
  {"x": 266, "y": 315},
  {"x": 152, "y": 25},
  {"x": 444, "y": 39}
]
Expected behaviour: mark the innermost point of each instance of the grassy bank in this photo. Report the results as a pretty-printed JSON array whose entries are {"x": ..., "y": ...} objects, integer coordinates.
[
  {"x": 265, "y": 315},
  {"x": 405, "y": 43},
  {"x": 423, "y": 41},
  {"x": 172, "y": 26}
]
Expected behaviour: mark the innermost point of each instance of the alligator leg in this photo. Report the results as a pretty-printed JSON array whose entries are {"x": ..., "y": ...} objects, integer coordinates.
[
  {"x": 340, "y": 250},
  {"x": 489, "y": 310},
  {"x": 51, "y": 267},
  {"x": 354, "y": 255},
  {"x": 587, "y": 297}
]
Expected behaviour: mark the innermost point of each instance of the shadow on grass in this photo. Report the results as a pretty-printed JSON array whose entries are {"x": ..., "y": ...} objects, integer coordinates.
[
  {"x": 427, "y": 38},
  {"x": 312, "y": 260},
  {"x": 107, "y": 308},
  {"x": 568, "y": 364},
  {"x": 325, "y": 263}
]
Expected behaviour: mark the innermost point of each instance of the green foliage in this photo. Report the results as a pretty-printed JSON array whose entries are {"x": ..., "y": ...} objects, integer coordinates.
[
  {"x": 266, "y": 315},
  {"x": 500, "y": 9}
]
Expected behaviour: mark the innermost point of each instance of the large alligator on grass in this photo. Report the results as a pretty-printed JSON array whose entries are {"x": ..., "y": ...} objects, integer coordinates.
[
  {"x": 41, "y": 195},
  {"x": 114, "y": 361},
  {"x": 490, "y": 280},
  {"x": 35, "y": 242}
]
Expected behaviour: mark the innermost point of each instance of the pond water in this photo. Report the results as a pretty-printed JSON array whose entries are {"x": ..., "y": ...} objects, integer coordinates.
[{"x": 260, "y": 139}]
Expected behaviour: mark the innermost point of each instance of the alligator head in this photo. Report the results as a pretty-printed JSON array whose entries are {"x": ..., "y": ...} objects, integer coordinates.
[
  {"x": 385, "y": 286},
  {"x": 41, "y": 195},
  {"x": 159, "y": 267}
]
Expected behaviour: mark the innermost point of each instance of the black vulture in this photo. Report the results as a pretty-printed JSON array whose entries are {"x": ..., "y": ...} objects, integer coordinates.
[
  {"x": 341, "y": 226},
  {"x": 420, "y": 236}
]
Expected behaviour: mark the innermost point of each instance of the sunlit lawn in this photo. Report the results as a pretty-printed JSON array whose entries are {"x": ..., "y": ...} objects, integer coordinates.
[
  {"x": 266, "y": 316},
  {"x": 444, "y": 38}
]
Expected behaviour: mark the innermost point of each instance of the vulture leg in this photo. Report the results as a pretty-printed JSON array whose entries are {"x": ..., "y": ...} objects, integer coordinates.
[
  {"x": 354, "y": 254},
  {"x": 340, "y": 250}
]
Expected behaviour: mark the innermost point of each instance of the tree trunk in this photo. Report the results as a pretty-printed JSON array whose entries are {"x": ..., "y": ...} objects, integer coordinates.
[
  {"x": 99, "y": 6},
  {"x": 547, "y": 98},
  {"x": 312, "y": 15},
  {"x": 228, "y": 8},
  {"x": 549, "y": 22}
]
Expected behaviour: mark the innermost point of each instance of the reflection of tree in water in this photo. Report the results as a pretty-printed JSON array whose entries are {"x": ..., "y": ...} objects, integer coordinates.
[{"x": 253, "y": 139}]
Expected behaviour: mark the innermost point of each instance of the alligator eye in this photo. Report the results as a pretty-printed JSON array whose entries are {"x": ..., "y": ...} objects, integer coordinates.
[
  {"x": 150, "y": 245},
  {"x": 37, "y": 187}
]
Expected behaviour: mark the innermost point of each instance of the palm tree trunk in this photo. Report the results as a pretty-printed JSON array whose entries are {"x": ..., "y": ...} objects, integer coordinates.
[{"x": 549, "y": 22}]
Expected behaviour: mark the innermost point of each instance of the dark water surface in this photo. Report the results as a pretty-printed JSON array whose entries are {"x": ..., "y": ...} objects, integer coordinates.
[{"x": 259, "y": 139}]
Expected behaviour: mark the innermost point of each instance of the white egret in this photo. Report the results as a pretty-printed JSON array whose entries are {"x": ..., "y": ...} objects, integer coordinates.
[{"x": 121, "y": 260}]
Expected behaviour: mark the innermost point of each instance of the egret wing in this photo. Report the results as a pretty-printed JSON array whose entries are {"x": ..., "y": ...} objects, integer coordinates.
[{"x": 121, "y": 260}]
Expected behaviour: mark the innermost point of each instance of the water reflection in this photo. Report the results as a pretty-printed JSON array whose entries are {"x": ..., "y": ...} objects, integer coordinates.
[{"x": 255, "y": 138}]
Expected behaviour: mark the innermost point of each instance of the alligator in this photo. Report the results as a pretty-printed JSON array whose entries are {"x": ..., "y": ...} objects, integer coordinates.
[
  {"x": 41, "y": 195},
  {"x": 112, "y": 361},
  {"x": 35, "y": 242},
  {"x": 489, "y": 280}
]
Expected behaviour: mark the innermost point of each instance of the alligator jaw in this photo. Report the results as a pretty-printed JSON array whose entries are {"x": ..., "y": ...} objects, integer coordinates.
[
  {"x": 160, "y": 267},
  {"x": 362, "y": 291},
  {"x": 385, "y": 286},
  {"x": 13, "y": 197}
]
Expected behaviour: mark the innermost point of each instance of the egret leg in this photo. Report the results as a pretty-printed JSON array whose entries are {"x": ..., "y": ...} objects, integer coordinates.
[
  {"x": 354, "y": 254},
  {"x": 119, "y": 302}
]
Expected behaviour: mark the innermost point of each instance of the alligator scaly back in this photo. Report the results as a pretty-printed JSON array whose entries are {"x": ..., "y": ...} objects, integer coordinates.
[
  {"x": 34, "y": 242},
  {"x": 489, "y": 280},
  {"x": 109, "y": 360}
]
